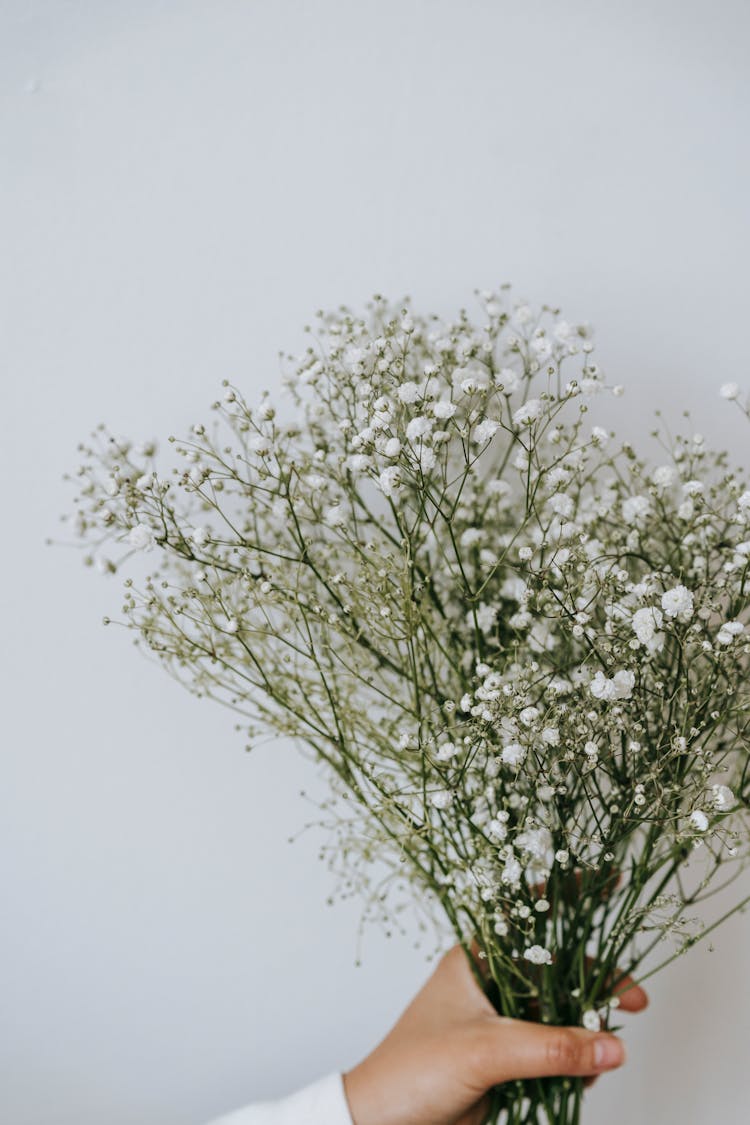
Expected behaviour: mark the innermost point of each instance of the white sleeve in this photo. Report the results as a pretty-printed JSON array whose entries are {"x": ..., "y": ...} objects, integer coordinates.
[{"x": 322, "y": 1103}]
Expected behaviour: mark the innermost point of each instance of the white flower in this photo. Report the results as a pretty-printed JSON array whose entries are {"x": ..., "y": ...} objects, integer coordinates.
[
  {"x": 497, "y": 829},
  {"x": 529, "y": 715},
  {"x": 444, "y": 408},
  {"x": 591, "y": 1020},
  {"x": 509, "y": 379},
  {"x": 537, "y": 842},
  {"x": 693, "y": 487},
  {"x": 511, "y": 872},
  {"x": 646, "y": 625},
  {"x": 392, "y": 447},
  {"x": 723, "y": 797},
  {"x": 551, "y": 736},
  {"x": 446, "y": 751},
  {"x": 678, "y": 602},
  {"x": 358, "y": 462},
  {"x": 513, "y": 754},
  {"x": 538, "y": 955},
  {"x": 528, "y": 412},
  {"x": 599, "y": 436},
  {"x": 699, "y": 820},
  {"x": 232, "y": 625},
  {"x": 541, "y": 346},
  {"x": 620, "y": 686},
  {"x": 442, "y": 799},
  {"x": 664, "y": 476},
  {"x": 635, "y": 509},
  {"x": 390, "y": 481},
  {"x": 728, "y": 631},
  {"x": 427, "y": 458},
  {"x": 744, "y": 501},
  {"x": 408, "y": 392},
  {"x": 485, "y": 430},
  {"x": 418, "y": 427},
  {"x": 142, "y": 537},
  {"x": 200, "y": 536},
  {"x": 562, "y": 504},
  {"x": 486, "y": 618},
  {"x": 729, "y": 390}
]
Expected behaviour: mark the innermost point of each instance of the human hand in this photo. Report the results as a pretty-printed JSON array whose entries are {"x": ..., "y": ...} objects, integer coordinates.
[{"x": 449, "y": 1048}]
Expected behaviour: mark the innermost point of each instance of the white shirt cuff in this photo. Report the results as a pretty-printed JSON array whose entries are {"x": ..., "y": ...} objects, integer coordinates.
[{"x": 322, "y": 1103}]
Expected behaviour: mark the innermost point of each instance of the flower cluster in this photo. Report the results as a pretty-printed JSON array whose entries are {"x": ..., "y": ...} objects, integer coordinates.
[{"x": 518, "y": 648}]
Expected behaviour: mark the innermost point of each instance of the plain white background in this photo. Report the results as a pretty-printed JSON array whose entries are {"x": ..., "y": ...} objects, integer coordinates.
[{"x": 183, "y": 184}]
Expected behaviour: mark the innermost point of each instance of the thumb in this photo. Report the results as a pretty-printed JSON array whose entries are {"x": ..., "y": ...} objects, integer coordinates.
[{"x": 522, "y": 1049}]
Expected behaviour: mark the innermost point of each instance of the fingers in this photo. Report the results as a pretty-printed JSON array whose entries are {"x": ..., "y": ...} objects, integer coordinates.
[
  {"x": 520, "y": 1049},
  {"x": 632, "y": 997}
]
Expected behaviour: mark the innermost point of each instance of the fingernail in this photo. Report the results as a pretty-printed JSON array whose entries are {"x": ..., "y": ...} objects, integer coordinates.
[{"x": 609, "y": 1052}]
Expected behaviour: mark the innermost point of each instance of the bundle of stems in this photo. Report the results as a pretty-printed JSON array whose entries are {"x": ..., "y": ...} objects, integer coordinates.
[{"x": 519, "y": 651}]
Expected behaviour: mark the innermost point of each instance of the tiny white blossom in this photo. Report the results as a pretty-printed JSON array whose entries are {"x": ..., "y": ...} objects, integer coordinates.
[
  {"x": 646, "y": 625},
  {"x": 538, "y": 955},
  {"x": 418, "y": 427},
  {"x": 591, "y": 1020},
  {"x": 528, "y": 412},
  {"x": 446, "y": 751},
  {"x": 200, "y": 536},
  {"x": 444, "y": 408},
  {"x": 442, "y": 799},
  {"x": 485, "y": 430},
  {"x": 511, "y": 872},
  {"x": 635, "y": 509},
  {"x": 723, "y": 797},
  {"x": 620, "y": 686},
  {"x": 358, "y": 462},
  {"x": 728, "y": 632},
  {"x": 678, "y": 603},
  {"x": 509, "y": 380},
  {"x": 232, "y": 625},
  {"x": 729, "y": 390},
  {"x": 529, "y": 715},
  {"x": 392, "y": 447},
  {"x": 142, "y": 537},
  {"x": 390, "y": 481},
  {"x": 699, "y": 820},
  {"x": 486, "y": 616},
  {"x": 408, "y": 392},
  {"x": 513, "y": 754},
  {"x": 664, "y": 476}
]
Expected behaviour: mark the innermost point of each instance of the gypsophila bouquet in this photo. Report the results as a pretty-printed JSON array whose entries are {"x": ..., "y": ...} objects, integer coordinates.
[{"x": 521, "y": 653}]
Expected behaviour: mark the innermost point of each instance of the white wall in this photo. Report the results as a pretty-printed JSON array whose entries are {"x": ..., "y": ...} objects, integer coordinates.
[{"x": 183, "y": 183}]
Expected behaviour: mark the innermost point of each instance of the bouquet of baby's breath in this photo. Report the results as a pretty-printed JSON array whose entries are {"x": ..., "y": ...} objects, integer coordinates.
[{"x": 520, "y": 653}]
